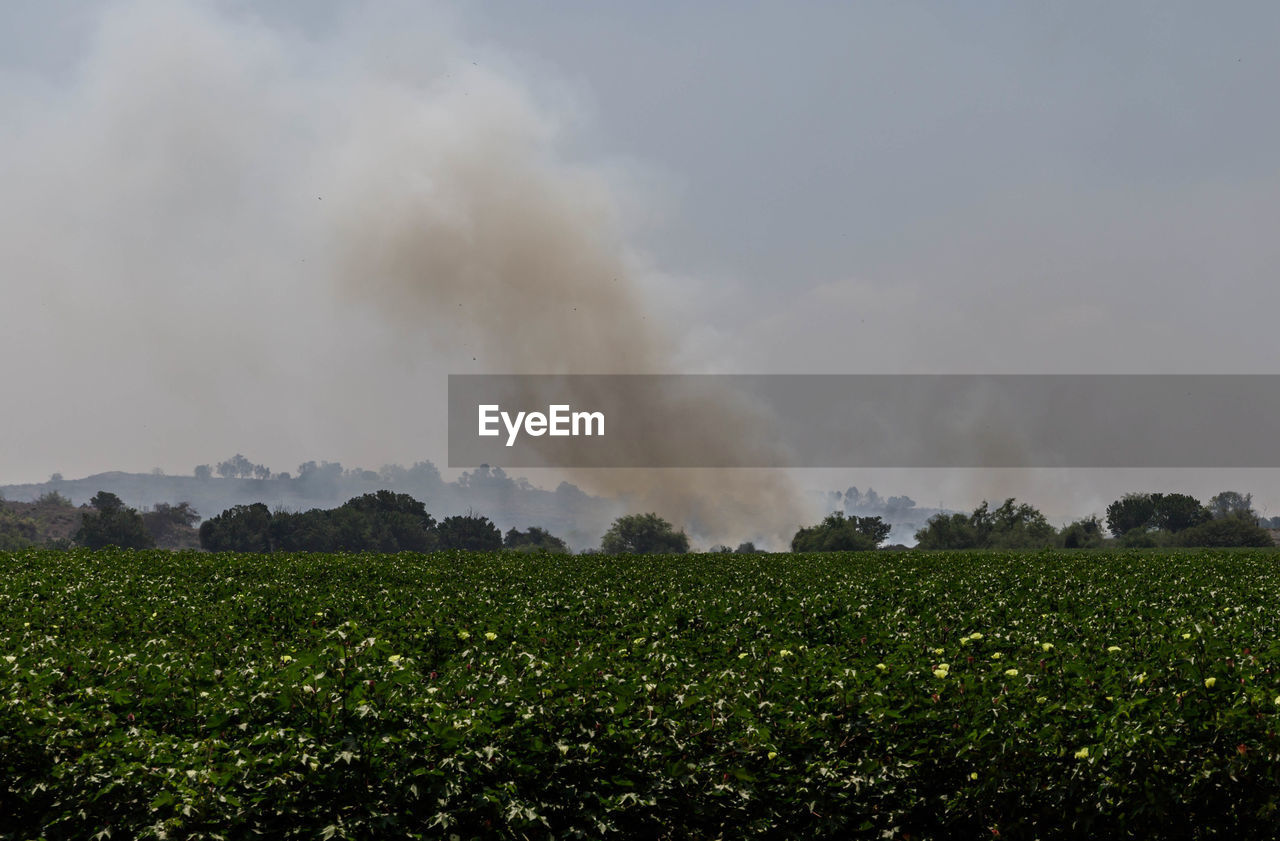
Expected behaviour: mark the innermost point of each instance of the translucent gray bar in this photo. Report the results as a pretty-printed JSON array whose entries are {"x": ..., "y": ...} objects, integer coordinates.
[{"x": 869, "y": 420}]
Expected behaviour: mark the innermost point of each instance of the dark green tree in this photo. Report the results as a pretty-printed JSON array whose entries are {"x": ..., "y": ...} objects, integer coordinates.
[
  {"x": 1226, "y": 531},
  {"x": 1175, "y": 512},
  {"x": 164, "y": 521},
  {"x": 112, "y": 523},
  {"x": 950, "y": 531},
  {"x": 534, "y": 540},
  {"x": 1132, "y": 512},
  {"x": 1017, "y": 526},
  {"x": 1233, "y": 504},
  {"x": 838, "y": 533},
  {"x": 1083, "y": 534},
  {"x": 1013, "y": 525},
  {"x": 16, "y": 531},
  {"x": 393, "y": 522},
  {"x": 643, "y": 534},
  {"x": 241, "y": 528},
  {"x": 307, "y": 531},
  {"x": 469, "y": 531}
]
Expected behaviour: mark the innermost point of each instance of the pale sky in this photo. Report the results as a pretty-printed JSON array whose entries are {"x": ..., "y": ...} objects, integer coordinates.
[{"x": 800, "y": 187}]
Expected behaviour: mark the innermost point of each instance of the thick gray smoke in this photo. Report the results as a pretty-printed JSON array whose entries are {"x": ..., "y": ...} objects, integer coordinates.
[
  {"x": 453, "y": 215},
  {"x": 236, "y": 237}
]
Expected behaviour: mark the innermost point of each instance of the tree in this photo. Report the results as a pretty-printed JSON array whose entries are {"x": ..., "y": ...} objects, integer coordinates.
[
  {"x": 53, "y": 499},
  {"x": 747, "y": 548},
  {"x": 203, "y": 471},
  {"x": 1132, "y": 512},
  {"x": 308, "y": 531},
  {"x": 170, "y": 524},
  {"x": 16, "y": 532},
  {"x": 1227, "y": 531},
  {"x": 112, "y": 523},
  {"x": 838, "y": 533},
  {"x": 235, "y": 467},
  {"x": 1083, "y": 534},
  {"x": 1018, "y": 526},
  {"x": 1011, "y": 526},
  {"x": 643, "y": 534},
  {"x": 1176, "y": 512},
  {"x": 534, "y": 540},
  {"x": 393, "y": 522},
  {"x": 241, "y": 528},
  {"x": 1233, "y": 504},
  {"x": 950, "y": 531},
  {"x": 471, "y": 532}
]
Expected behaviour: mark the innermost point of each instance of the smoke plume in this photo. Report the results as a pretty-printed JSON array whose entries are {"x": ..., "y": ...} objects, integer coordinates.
[
  {"x": 244, "y": 237},
  {"x": 455, "y": 216}
]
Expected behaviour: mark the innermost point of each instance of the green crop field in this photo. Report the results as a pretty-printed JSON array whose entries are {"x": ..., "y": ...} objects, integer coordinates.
[{"x": 877, "y": 695}]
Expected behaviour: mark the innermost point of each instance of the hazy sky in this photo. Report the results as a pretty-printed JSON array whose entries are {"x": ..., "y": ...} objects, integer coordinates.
[{"x": 800, "y": 187}]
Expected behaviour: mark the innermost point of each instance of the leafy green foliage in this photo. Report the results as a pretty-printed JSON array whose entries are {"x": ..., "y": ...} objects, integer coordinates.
[
  {"x": 112, "y": 523},
  {"x": 241, "y": 528},
  {"x": 16, "y": 531},
  {"x": 1083, "y": 534},
  {"x": 170, "y": 525},
  {"x": 1144, "y": 512},
  {"x": 838, "y": 533},
  {"x": 946, "y": 695},
  {"x": 643, "y": 534},
  {"x": 471, "y": 531},
  {"x": 1228, "y": 531},
  {"x": 394, "y": 522},
  {"x": 1176, "y": 512},
  {"x": 1011, "y": 526},
  {"x": 53, "y": 498},
  {"x": 1232, "y": 504},
  {"x": 375, "y": 522},
  {"x": 533, "y": 540},
  {"x": 1132, "y": 512}
]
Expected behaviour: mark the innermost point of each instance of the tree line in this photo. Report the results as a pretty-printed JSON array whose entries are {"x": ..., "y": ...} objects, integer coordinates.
[
  {"x": 1136, "y": 520},
  {"x": 386, "y": 521},
  {"x": 375, "y": 522}
]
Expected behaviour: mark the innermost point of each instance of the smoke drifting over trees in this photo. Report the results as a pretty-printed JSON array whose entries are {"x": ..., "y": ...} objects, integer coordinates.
[{"x": 291, "y": 240}]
